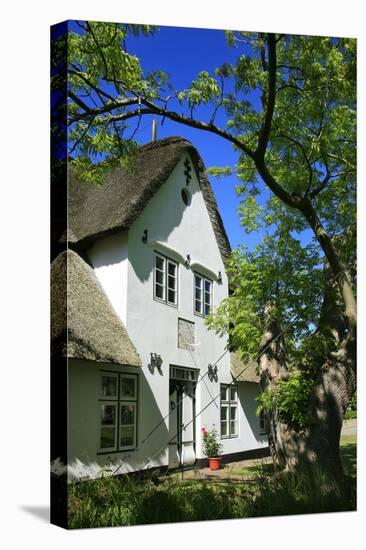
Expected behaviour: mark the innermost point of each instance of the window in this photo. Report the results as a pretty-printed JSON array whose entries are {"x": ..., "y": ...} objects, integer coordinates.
[
  {"x": 117, "y": 409},
  {"x": 186, "y": 197},
  {"x": 229, "y": 411},
  {"x": 183, "y": 373},
  {"x": 165, "y": 280},
  {"x": 263, "y": 428},
  {"x": 202, "y": 295}
]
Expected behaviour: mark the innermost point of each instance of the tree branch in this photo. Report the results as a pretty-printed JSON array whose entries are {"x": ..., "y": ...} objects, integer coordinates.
[
  {"x": 188, "y": 121},
  {"x": 298, "y": 144},
  {"x": 106, "y": 108},
  {"x": 271, "y": 97}
]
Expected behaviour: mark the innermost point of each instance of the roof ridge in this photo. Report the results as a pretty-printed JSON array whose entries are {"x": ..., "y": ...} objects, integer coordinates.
[{"x": 163, "y": 142}]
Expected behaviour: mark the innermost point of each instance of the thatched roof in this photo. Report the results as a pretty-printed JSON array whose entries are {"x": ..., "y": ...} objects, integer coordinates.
[
  {"x": 243, "y": 372},
  {"x": 96, "y": 211},
  {"x": 84, "y": 324}
]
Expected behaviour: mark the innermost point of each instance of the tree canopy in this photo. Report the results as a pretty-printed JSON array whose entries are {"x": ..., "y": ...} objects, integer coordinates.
[{"x": 289, "y": 104}]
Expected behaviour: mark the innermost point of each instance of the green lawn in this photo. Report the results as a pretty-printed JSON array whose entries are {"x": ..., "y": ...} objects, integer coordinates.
[{"x": 349, "y": 454}]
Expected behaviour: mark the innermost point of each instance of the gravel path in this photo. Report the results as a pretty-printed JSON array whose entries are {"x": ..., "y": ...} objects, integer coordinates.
[{"x": 349, "y": 427}]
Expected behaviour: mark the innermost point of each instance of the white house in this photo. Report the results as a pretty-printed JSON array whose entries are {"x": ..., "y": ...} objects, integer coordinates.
[{"x": 145, "y": 264}]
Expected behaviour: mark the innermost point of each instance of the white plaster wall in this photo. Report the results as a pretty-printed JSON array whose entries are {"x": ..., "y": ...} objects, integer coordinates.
[
  {"x": 83, "y": 418},
  {"x": 124, "y": 267},
  {"x": 109, "y": 257},
  {"x": 153, "y": 326}
]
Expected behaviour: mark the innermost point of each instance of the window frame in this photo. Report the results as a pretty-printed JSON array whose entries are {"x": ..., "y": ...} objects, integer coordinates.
[
  {"x": 204, "y": 279},
  {"x": 165, "y": 284},
  {"x": 118, "y": 401},
  {"x": 229, "y": 404},
  {"x": 263, "y": 428}
]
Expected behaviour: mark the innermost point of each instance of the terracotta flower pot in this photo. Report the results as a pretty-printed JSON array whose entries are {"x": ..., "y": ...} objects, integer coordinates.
[{"x": 214, "y": 462}]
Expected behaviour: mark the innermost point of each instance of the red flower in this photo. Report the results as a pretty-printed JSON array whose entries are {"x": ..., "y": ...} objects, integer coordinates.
[{"x": 204, "y": 431}]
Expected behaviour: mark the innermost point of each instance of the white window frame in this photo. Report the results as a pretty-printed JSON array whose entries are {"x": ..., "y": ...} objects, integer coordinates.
[
  {"x": 165, "y": 284},
  {"x": 108, "y": 397},
  {"x": 118, "y": 400},
  {"x": 124, "y": 397},
  {"x": 115, "y": 426},
  {"x": 203, "y": 303},
  {"x": 263, "y": 429},
  {"x": 120, "y": 425},
  {"x": 229, "y": 404}
]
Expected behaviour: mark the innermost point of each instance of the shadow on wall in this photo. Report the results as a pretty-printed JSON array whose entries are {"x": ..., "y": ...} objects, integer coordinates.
[
  {"x": 160, "y": 221},
  {"x": 112, "y": 250},
  {"x": 248, "y": 394},
  {"x": 152, "y": 442}
]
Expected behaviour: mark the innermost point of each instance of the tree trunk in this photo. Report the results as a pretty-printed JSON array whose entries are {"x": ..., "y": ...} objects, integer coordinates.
[
  {"x": 282, "y": 440},
  {"x": 334, "y": 388},
  {"x": 335, "y": 383},
  {"x": 317, "y": 447}
]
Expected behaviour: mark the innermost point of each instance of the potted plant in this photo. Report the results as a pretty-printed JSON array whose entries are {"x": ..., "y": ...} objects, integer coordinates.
[{"x": 211, "y": 448}]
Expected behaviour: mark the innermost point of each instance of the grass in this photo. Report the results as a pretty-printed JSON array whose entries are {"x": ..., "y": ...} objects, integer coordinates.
[
  {"x": 260, "y": 469},
  {"x": 349, "y": 455},
  {"x": 125, "y": 500}
]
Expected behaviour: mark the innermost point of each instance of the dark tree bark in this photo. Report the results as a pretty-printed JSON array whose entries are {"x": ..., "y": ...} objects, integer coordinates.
[
  {"x": 283, "y": 440},
  {"x": 334, "y": 385}
]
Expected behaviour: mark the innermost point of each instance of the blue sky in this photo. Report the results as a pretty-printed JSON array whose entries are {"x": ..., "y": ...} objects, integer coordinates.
[{"x": 183, "y": 53}]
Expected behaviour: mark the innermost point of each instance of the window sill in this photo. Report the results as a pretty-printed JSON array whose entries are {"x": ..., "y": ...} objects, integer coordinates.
[
  {"x": 165, "y": 303},
  {"x": 201, "y": 315},
  {"x": 115, "y": 452}
]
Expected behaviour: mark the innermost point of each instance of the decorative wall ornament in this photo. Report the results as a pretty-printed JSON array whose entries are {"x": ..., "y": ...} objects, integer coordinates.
[
  {"x": 155, "y": 363},
  {"x": 212, "y": 372},
  {"x": 186, "y": 334},
  {"x": 144, "y": 237},
  {"x": 187, "y": 171}
]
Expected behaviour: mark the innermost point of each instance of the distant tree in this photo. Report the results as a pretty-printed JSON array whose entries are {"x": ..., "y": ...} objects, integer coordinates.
[{"x": 295, "y": 301}]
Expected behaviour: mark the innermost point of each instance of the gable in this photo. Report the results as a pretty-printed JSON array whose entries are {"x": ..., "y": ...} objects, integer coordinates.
[{"x": 95, "y": 212}]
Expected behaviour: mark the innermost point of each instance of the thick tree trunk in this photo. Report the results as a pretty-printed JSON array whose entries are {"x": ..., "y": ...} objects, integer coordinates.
[
  {"x": 335, "y": 383},
  {"x": 317, "y": 447},
  {"x": 283, "y": 441},
  {"x": 334, "y": 388}
]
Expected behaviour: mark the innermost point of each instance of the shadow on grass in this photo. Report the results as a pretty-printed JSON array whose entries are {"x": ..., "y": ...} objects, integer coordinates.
[
  {"x": 256, "y": 470},
  {"x": 126, "y": 500},
  {"x": 111, "y": 502},
  {"x": 349, "y": 459}
]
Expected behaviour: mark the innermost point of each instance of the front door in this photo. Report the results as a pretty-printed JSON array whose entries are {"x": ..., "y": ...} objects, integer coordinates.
[{"x": 182, "y": 389}]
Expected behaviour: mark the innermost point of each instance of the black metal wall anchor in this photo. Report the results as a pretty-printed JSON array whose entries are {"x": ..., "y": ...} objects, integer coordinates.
[
  {"x": 155, "y": 363},
  {"x": 187, "y": 171},
  {"x": 212, "y": 372}
]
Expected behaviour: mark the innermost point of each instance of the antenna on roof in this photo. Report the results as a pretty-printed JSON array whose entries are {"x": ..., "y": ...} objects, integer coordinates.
[{"x": 154, "y": 130}]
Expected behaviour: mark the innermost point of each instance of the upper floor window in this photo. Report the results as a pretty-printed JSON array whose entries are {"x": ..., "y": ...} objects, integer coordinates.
[
  {"x": 202, "y": 295},
  {"x": 165, "y": 280}
]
